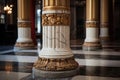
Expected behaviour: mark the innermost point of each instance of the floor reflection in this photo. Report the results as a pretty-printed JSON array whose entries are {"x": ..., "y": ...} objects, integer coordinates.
[{"x": 94, "y": 65}]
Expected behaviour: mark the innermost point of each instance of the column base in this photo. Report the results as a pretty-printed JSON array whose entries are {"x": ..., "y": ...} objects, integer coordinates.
[
  {"x": 105, "y": 42},
  {"x": 24, "y": 45},
  {"x": 56, "y": 64},
  {"x": 53, "y": 74},
  {"x": 91, "y": 46},
  {"x": 55, "y": 67}
]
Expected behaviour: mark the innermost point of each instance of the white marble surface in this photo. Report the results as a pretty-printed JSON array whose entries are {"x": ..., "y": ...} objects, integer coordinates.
[
  {"x": 56, "y": 42},
  {"x": 12, "y": 75},
  {"x": 104, "y": 32},
  {"x": 24, "y": 35},
  {"x": 106, "y": 67},
  {"x": 93, "y": 78},
  {"x": 82, "y": 62},
  {"x": 92, "y": 35},
  {"x": 21, "y": 76}
]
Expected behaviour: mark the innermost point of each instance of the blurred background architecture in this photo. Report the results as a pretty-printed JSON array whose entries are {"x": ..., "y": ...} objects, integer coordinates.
[{"x": 93, "y": 36}]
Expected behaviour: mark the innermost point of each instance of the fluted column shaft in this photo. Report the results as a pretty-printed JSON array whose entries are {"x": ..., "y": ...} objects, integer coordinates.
[
  {"x": 56, "y": 54},
  {"x": 92, "y": 25},
  {"x": 24, "y": 25},
  {"x": 104, "y": 22}
]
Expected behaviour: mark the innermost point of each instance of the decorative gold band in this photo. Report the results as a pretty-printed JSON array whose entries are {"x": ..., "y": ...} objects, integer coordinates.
[
  {"x": 92, "y": 44},
  {"x": 24, "y": 24},
  {"x": 92, "y": 24},
  {"x": 56, "y": 19},
  {"x": 56, "y": 64},
  {"x": 104, "y": 25},
  {"x": 24, "y": 44},
  {"x": 105, "y": 38},
  {"x": 55, "y": 8}
]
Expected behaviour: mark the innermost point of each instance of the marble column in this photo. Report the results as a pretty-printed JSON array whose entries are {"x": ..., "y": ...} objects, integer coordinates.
[
  {"x": 104, "y": 22},
  {"x": 24, "y": 40},
  {"x": 92, "y": 41},
  {"x": 56, "y": 58}
]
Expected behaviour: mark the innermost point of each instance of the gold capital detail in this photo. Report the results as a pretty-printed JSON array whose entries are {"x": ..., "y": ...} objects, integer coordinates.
[
  {"x": 56, "y": 64},
  {"x": 92, "y": 24},
  {"x": 55, "y": 19},
  {"x": 24, "y": 24}
]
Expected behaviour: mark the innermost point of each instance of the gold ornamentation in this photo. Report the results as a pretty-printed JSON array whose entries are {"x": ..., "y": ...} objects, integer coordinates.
[
  {"x": 56, "y": 3},
  {"x": 24, "y": 44},
  {"x": 55, "y": 19},
  {"x": 104, "y": 25},
  {"x": 56, "y": 8},
  {"x": 56, "y": 64},
  {"x": 92, "y": 24},
  {"x": 105, "y": 38},
  {"x": 92, "y": 44},
  {"x": 24, "y": 24}
]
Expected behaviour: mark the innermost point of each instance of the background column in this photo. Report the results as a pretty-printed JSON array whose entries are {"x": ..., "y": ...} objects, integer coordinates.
[
  {"x": 92, "y": 41},
  {"x": 104, "y": 22},
  {"x": 55, "y": 58},
  {"x": 33, "y": 31},
  {"x": 24, "y": 40}
]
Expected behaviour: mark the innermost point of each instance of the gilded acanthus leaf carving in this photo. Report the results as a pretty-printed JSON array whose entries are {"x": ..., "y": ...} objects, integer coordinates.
[
  {"x": 55, "y": 19},
  {"x": 57, "y": 64}
]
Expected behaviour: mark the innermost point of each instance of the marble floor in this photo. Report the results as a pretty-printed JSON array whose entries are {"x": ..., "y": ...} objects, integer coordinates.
[{"x": 94, "y": 65}]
